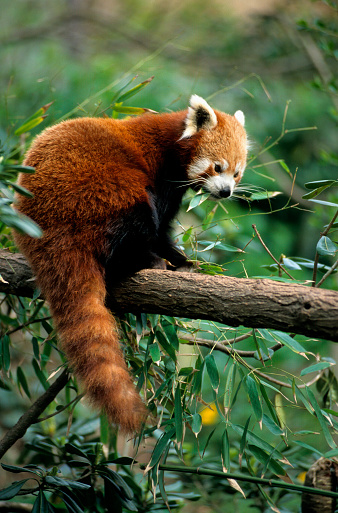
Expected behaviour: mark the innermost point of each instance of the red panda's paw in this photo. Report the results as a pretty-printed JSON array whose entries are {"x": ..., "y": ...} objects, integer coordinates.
[{"x": 187, "y": 267}]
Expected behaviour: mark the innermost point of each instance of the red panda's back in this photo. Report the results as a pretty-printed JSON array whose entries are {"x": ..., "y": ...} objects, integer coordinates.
[{"x": 84, "y": 168}]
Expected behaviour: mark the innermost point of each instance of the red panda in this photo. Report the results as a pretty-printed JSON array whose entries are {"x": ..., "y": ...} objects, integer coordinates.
[{"x": 105, "y": 193}]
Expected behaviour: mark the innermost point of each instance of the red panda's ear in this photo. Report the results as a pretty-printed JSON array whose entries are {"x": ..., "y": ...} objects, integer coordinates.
[
  {"x": 200, "y": 116},
  {"x": 240, "y": 117}
]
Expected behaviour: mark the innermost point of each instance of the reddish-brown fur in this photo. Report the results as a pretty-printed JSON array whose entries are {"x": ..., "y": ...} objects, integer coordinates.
[{"x": 90, "y": 174}]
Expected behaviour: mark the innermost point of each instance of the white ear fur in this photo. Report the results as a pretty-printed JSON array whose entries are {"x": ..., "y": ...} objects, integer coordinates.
[
  {"x": 240, "y": 117},
  {"x": 200, "y": 116}
]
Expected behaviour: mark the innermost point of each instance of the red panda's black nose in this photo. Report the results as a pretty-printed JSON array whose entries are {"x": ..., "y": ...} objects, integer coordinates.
[{"x": 225, "y": 193}]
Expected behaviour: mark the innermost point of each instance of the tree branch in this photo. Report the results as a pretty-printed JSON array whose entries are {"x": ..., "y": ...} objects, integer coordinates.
[
  {"x": 30, "y": 416},
  {"x": 260, "y": 303}
]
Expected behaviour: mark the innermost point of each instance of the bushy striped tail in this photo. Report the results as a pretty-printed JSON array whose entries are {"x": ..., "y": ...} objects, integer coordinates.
[{"x": 72, "y": 281}]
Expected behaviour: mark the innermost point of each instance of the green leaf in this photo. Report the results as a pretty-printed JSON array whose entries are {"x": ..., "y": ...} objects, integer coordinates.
[
  {"x": 132, "y": 111},
  {"x": 12, "y": 468},
  {"x": 21, "y": 190},
  {"x": 8, "y": 493},
  {"x": 29, "y": 125},
  {"x": 71, "y": 502},
  {"x": 155, "y": 353},
  {"x": 196, "y": 424},
  {"x": 58, "y": 481},
  {"x": 6, "y": 357},
  {"x": 231, "y": 366},
  {"x": 315, "y": 368},
  {"x": 123, "y": 460},
  {"x": 272, "y": 426},
  {"x": 243, "y": 441},
  {"x": 309, "y": 447},
  {"x": 267, "y": 460},
  {"x": 20, "y": 168},
  {"x": 134, "y": 90},
  {"x": 171, "y": 334},
  {"x": 212, "y": 371},
  {"x": 285, "y": 166},
  {"x": 21, "y": 223},
  {"x": 254, "y": 397},
  {"x": 257, "y": 196},
  {"x": 160, "y": 446},
  {"x": 208, "y": 220},
  {"x": 39, "y": 374},
  {"x": 290, "y": 264},
  {"x": 178, "y": 414},
  {"x": 326, "y": 203},
  {"x": 198, "y": 376},
  {"x": 225, "y": 451},
  {"x": 321, "y": 419},
  {"x": 21, "y": 379},
  {"x": 104, "y": 429},
  {"x": 40, "y": 504},
  {"x": 320, "y": 183},
  {"x": 197, "y": 200},
  {"x": 288, "y": 341},
  {"x": 72, "y": 449},
  {"x": 255, "y": 440},
  {"x": 325, "y": 246},
  {"x": 165, "y": 344}
]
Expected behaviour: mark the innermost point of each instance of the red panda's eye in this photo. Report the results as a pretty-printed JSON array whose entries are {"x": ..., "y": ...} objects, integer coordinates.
[
  {"x": 236, "y": 174},
  {"x": 218, "y": 168}
]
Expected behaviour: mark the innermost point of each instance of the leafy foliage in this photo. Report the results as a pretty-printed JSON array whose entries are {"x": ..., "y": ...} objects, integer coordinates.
[{"x": 255, "y": 404}]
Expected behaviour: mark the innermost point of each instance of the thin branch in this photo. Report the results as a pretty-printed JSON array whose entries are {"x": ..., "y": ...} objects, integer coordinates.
[
  {"x": 327, "y": 274},
  {"x": 269, "y": 252},
  {"x": 323, "y": 234},
  {"x": 246, "y": 478},
  {"x": 30, "y": 416},
  {"x": 219, "y": 346},
  {"x": 282, "y": 383},
  {"x": 76, "y": 399},
  {"x": 28, "y": 323}
]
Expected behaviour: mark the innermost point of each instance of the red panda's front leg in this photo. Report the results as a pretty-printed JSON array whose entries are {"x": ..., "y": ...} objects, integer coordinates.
[{"x": 131, "y": 243}]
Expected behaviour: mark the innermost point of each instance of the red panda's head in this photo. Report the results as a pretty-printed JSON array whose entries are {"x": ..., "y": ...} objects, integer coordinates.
[{"x": 220, "y": 149}]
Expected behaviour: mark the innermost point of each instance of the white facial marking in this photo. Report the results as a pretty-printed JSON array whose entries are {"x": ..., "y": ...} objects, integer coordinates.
[
  {"x": 239, "y": 169},
  {"x": 198, "y": 167},
  {"x": 223, "y": 163},
  {"x": 216, "y": 184}
]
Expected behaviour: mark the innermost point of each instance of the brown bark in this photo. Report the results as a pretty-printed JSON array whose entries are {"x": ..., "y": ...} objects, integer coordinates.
[
  {"x": 322, "y": 474},
  {"x": 232, "y": 301}
]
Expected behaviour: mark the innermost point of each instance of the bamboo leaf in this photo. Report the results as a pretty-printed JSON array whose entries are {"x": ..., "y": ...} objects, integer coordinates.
[
  {"x": 316, "y": 367},
  {"x": 134, "y": 90},
  {"x": 155, "y": 353},
  {"x": 178, "y": 414},
  {"x": 225, "y": 451},
  {"x": 229, "y": 385},
  {"x": 160, "y": 446},
  {"x": 196, "y": 424},
  {"x": 289, "y": 342},
  {"x": 321, "y": 419},
  {"x": 212, "y": 371},
  {"x": 29, "y": 125},
  {"x": 254, "y": 398},
  {"x": 21, "y": 379}
]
